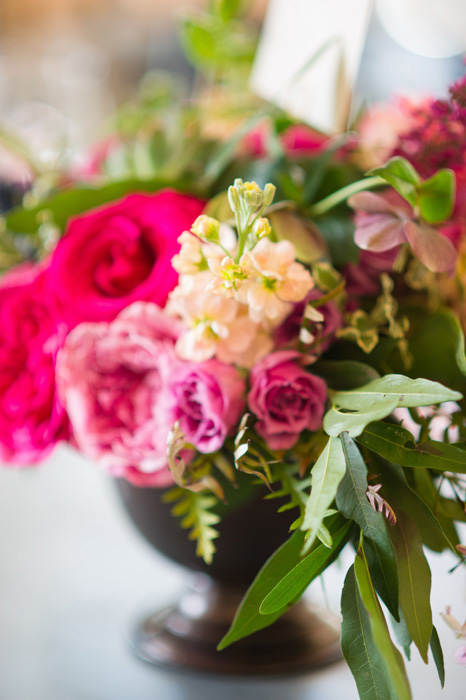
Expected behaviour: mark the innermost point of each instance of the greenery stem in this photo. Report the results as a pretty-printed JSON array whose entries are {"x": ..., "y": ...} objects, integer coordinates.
[{"x": 342, "y": 195}]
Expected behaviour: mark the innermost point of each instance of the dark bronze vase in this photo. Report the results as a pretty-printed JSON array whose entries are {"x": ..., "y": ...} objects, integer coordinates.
[{"x": 185, "y": 635}]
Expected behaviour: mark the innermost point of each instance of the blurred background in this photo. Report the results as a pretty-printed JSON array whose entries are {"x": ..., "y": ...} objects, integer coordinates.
[{"x": 66, "y": 64}]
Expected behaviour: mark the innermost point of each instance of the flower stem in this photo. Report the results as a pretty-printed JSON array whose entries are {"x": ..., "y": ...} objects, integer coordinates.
[{"x": 342, "y": 195}]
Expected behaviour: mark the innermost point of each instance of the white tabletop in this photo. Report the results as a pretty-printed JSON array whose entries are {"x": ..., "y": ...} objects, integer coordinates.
[{"x": 74, "y": 575}]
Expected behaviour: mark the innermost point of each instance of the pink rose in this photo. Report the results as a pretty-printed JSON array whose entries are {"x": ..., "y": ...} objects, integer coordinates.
[
  {"x": 111, "y": 378},
  {"x": 32, "y": 419},
  {"x": 118, "y": 254},
  {"x": 285, "y": 398},
  {"x": 209, "y": 401}
]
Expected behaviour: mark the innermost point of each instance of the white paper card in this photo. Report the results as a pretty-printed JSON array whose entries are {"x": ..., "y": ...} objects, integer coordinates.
[{"x": 294, "y": 32}]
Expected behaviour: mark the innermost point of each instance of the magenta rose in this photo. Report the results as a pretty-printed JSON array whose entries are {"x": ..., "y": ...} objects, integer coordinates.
[
  {"x": 209, "y": 401},
  {"x": 32, "y": 419},
  {"x": 111, "y": 377},
  {"x": 285, "y": 398},
  {"x": 118, "y": 254}
]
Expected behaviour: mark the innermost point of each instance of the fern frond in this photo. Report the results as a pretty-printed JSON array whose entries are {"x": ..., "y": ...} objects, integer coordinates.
[
  {"x": 292, "y": 487},
  {"x": 194, "y": 509}
]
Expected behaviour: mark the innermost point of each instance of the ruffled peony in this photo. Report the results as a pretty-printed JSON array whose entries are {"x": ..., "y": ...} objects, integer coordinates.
[
  {"x": 32, "y": 418},
  {"x": 111, "y": 377},
  {"x": 286, "y": 399},
  {"x": 118, "y": 254}
]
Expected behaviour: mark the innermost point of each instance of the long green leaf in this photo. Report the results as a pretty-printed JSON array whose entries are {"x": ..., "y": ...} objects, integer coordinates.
[
  {"x": 352, "y": 502},
  {"x": 396, "y": 444},
  {"x": 392, "y": 658},
  {"x": 69, "y": 202},
  {"x": 326, "y": 474},
  {"x": 395, "y": 387},
  {"x": 437, "y": 653},
  {"x": 306, "y": 571},
  {"x": 248, "y": 618},
  {"x": 431, "y": 530},
  {"x": 358, "y": 647},
  {"x": 415, "y": 579}
]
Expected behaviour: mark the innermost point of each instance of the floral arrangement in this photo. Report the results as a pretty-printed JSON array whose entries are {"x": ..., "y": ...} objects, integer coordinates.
[{"x": 307, "y": 333}]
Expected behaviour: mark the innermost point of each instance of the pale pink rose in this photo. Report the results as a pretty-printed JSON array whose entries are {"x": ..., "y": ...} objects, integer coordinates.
[
  {"x": 286, "y": 399},
  {"x": 111, "y": 377},
  {"x": 118, "y": 254},
  {"x": 32, "y": 418},
  {"x": 209, "y": 401}
]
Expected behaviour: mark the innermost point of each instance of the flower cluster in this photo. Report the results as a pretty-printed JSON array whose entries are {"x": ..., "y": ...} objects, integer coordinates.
[
  {"x": 104, "y": 358},
  {"x": 235, "y": 290}
]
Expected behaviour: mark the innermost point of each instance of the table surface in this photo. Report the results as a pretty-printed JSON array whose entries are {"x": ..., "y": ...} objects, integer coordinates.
[{"x": 74, "y": 575}]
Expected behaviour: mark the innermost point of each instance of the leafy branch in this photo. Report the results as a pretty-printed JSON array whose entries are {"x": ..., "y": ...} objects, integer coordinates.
[{"x": 196, "y": 515}]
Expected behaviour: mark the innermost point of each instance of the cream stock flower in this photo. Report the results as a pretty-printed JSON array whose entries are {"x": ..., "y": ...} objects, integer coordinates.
[
  {"x": 228, "y": 276},
  {"x": 275, "y": 281},
  {"x": 215, "y": 325},
  {"x": 190, "y": 259}
]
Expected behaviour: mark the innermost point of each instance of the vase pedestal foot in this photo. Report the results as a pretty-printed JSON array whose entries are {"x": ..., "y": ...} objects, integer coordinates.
[{"x": 185, "y": 636}]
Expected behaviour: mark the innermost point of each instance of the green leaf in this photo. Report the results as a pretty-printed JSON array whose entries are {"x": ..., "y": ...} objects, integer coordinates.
[
  {"x": 397, "y": 445},
  {"x": 392, "y": 658},
  {"x": 305, "y": 236},
  {"x": 326, "y": 474},
  {"x": 225, "y": 152},
  {"x": 338, "y": 233},
  {"x": 344, "y": 374},
  {"x": 395, "y": 387},
  {"x": 437, "y": 196},
  {"x": 401, "y": 175},
  {"x": 358, "y": 647},
  {"x": 436, "y": 342},
  {"x": 402, "y": 634},
  {"x": 248, "y": 618},
  {"x": 195, "y": 511},
  {"x": 70, "y": 202},
  {"x": 354, "y": 422},
  {"x": 352, "y": 502},
  {"x": 228, "y": 9},
  {"x": 299, "y": 578},
  {"x": 437, "y": 653},
  {"x": 198, "y": 40},
  {"x": 394, "y": 482},
  {"x": 415, "y": 578}
]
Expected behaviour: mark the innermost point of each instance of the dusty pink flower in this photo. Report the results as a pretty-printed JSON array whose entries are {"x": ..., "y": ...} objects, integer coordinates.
[
  {"x": 286, "y": 399},
  {"x": 111, "y": 377},
  {"x": 209, "y": 401},
  {"x": 32, "y": 418},
  {"x": 385, "y": 221},
  {"x": 118, "y": 254}
]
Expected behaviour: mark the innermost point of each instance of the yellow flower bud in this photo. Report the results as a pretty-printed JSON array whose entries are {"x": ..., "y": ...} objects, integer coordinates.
[
  {"x": 261, "y": 228},
  {"x": 206, "y": 228}
]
